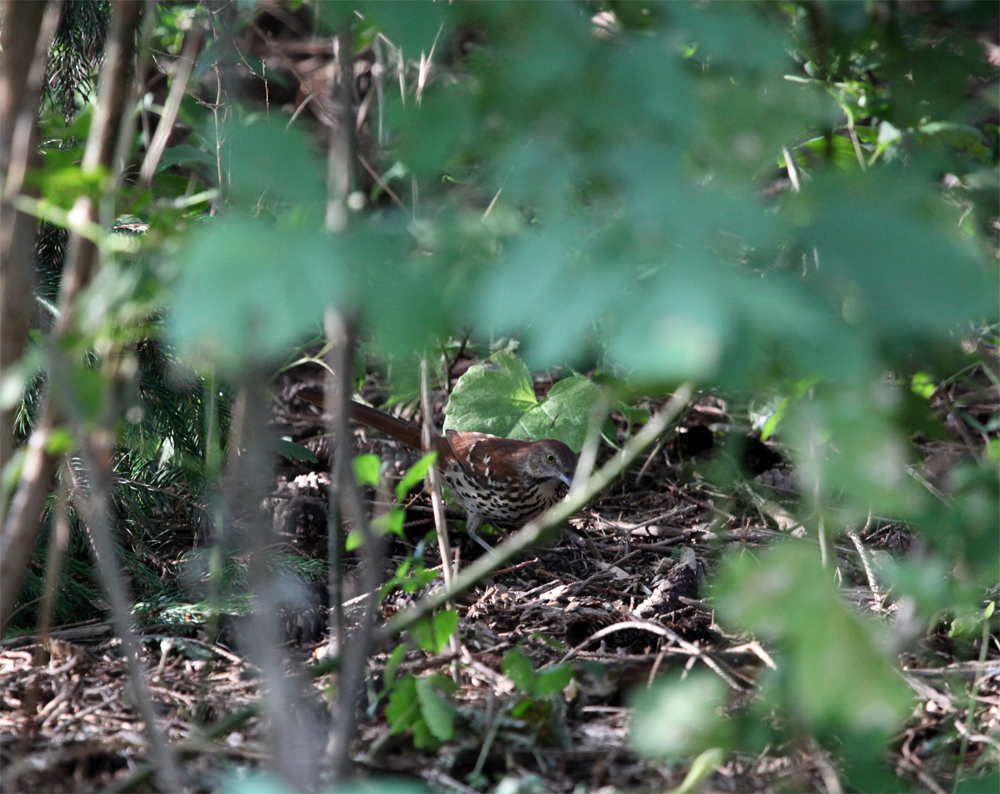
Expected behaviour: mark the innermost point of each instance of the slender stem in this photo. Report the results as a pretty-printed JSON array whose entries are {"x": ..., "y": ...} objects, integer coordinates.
[{"x": 535, "y": 531}]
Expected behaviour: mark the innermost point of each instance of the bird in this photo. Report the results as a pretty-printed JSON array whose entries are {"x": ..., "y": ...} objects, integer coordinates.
[{"x": 505, "y": 482}]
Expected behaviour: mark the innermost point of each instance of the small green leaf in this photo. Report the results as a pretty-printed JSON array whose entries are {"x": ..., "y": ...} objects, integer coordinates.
[
  {"x": 60, "y": 441},
  {"x": 550, "y": 681},
  {"x": 701, "y": 769},
  {"x": 922, "y": 384},
  {"x": 391, "y": 521},
  {"x": 403, "y": 708},
  {"x": 415, "y": 475},
  {"x": 366, "y": 469},
  {"x": 633, "y": 415},
  {"x": 431, "y": 634},
  {"x": 395, "y": 659},
  {"x": 437, "y": 712},
  {"x": 184, "y": 155},
  {"x": 294, "y": 451},
  {"x": 774, "y": 420},
  {"x": 521, "y": 708},
  {"x": 354, "y": 540},
  {"x": 517, "y": 667}
]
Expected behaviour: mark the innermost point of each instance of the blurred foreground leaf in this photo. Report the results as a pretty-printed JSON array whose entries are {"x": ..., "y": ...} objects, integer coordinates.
[
  {"x": 833, "y": 672},
  {"x": 248, "y": 291}
]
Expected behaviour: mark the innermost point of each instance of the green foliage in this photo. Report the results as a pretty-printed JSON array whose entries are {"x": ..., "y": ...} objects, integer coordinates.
[
  {"x": 498, "y": 397},
  {"x": 75, "y": 54},
  {"x": 415, "y": 475},
  {"x": 417, "y": 704},
  {"x": 432, "y": 634},
  {"x": 545, "y": 683},
  {"x": 833, "y": 678},
  {"x": 367, "y": 471},
  {"x": 641, "y": 221},
  {"x": 264, "y": 273},
  {"x": 677, "y": 718},
  {"x": 834, "y": 673}
]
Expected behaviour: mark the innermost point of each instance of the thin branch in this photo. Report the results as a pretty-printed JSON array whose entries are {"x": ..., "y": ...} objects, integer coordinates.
[
  {"x": 182, "y": 74},
  {"x": 437, "y": 503},
  {"x": 25, "y": 36},
  {"x": 21, "y": 523},
  {"x": 336, "y": 396},
  {"x": 538, "y": 529},
  {"x": 98, "y": 456}
]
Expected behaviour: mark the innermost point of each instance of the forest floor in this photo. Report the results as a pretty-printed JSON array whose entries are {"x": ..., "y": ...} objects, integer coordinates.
[{"x": 644, "y": 550}]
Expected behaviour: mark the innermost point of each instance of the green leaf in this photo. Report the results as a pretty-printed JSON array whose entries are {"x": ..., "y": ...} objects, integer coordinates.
[
  {"x": 354, "y": 540},
  {"x": 703, "y": 767},
  {"x": 367, "y": 469},
  {"x": 247, "y": 290},
  {"x": 678, "y": 717},
  {"x": 60, "y": 441},
  {"x": 632, "y": 414},
  {"x": 294, "y": 451},
  {"x": 845, "y": 441},
  {"x": 266, "y": 162},
  {"x": 431, "y": 634},
  {"x": 923, "y": 384},
  {"x": 437, "y": 712},
  {"x": 415, "y": 475},
  {"x": 185, "y": 155},
  {"x": 550, "y": 681},
  {"x": 836, "y": 673},
  {"x": 403, "y": 708},
  {"x": 392, "y": 664},
  {"x": 891, "y": 256},
  {"x": 772, "y": 422},
  {"x": 436, "y": 130},
  {"x": 411, "y": 26},
  {"x": 491, "y": 397},
  {"x": 517, "y": 667},
  {"x": 497, "y": 397},
  {"x": 564, "y": 414},
  {"x": 391, "y": 521}
]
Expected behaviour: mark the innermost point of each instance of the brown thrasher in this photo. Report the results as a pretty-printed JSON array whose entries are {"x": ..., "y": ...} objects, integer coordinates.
[{"x": 502, "y": 481}]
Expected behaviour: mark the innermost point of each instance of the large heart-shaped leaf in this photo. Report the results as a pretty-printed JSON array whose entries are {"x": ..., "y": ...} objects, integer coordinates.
[{"x": 497, "y": 397}]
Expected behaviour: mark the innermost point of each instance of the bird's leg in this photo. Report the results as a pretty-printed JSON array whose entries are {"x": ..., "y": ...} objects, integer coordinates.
[{"x": 472, "y": 525}]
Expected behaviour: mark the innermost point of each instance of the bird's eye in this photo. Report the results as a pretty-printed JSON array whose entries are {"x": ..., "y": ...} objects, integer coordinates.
[{"x": 550, "y": 458}]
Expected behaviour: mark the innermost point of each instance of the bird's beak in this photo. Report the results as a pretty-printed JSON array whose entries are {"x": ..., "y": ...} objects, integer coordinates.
[{"x": 566, "y": 478}]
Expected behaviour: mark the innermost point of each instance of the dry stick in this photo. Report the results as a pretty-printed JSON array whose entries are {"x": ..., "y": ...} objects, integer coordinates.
[
  {"x": 534, "y": 531},
  {"x": 292, "y": 728},
  {"x": 341, "y": 144},
  {"x": 437, "y": 504},
  {"x": 26, "y": 33},
  {"x": 869, "y": 573},
  {"x": 354, "y": 654},
  {"x": 182, "y": 74},
  {"x": 336, "y": 398},
  {"x": 21, "y": 523},
  {"x": 692, "y": 650},
  {"x": 381, "y": 182},
  {"x": 28, "y": 28},
  {"x": 98, "y": 455},
  {"x": 58, "y": 541}
]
